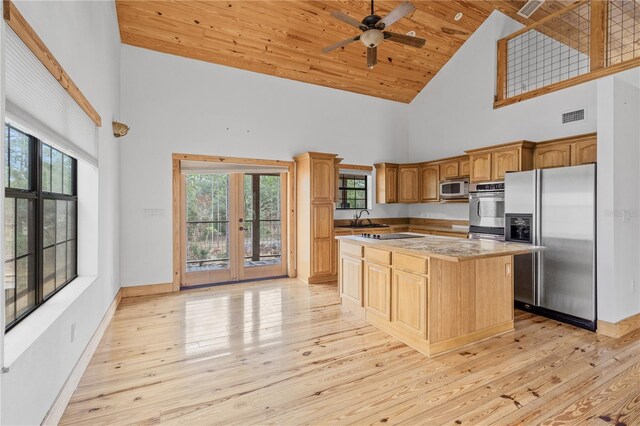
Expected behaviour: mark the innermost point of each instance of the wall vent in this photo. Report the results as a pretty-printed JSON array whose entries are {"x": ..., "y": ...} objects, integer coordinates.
[
  {"x": 573, "y": 116},
  {"x": 529, "y": 8}
]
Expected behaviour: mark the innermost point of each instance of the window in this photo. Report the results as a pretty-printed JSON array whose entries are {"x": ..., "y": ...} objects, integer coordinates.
[
  {"x": 40, "y": 223},
  {"x": 352, "y": 192}
]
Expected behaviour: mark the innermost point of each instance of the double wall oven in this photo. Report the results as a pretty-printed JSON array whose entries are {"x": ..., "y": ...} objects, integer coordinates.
[{"x": 486, "y": 211}]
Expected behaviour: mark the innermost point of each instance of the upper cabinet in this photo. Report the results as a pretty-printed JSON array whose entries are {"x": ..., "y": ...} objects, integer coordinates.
[
  {"x": 492, "y": 163},
  {"x": 386, "y": 183},
  {"x": 409, "y": 183},
  {"x": 420, "y": 183},
  {"x": 564, "y": 152},
  {"x": 429, "y": 179},
  {"x": 454, "y": 168}
]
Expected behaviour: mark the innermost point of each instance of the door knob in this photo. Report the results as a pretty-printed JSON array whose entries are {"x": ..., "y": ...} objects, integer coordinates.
[
  {"x": 241, "y": 228},
  {"x": 241, "y": 220}
]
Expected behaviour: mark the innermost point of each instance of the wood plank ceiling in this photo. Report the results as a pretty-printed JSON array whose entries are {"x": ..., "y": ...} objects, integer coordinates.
[{"x": 285, "y": 38}]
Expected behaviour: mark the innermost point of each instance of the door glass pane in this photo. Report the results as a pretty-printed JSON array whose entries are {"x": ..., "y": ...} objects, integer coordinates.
[
  {"x": 49, "y": 223},
  {"x": 263, "y": 242},
  {"x": 9, "y": 228},
  {"x": 207, "y": 222},
  {"x": 19, "y": 160},
  {"x": 25, "y": 285},
  {"x": 49, "y": 265}
]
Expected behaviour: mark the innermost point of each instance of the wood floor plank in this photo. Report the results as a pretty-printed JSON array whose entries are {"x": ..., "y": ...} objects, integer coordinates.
[{"x": 283, "y": 352}]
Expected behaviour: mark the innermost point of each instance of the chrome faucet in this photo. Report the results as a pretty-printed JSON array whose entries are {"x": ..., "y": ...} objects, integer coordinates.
[{"x": 357, "y": 216}]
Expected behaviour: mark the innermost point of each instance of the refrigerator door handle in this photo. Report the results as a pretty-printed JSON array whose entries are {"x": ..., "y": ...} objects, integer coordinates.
[{"x": 538, "y": 237}]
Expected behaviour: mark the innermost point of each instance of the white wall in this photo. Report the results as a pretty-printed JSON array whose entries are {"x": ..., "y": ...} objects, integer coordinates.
[
  {"x": 83, "y": 36},
  {"x": 455, "y": 111},
  {"x": 175, "y": 104},
  {"x": 618, "y": 196}
]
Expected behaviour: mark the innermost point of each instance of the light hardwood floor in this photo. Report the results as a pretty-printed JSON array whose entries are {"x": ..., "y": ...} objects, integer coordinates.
[{"x": 282, "y": 352}]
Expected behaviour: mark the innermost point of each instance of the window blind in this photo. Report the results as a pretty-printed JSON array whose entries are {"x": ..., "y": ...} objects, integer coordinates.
[
  {"x": 204, "y": 167},
  {"x": 37, "y": 103}
]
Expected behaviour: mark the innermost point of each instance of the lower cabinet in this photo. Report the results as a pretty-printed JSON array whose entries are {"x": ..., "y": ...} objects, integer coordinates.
[
  {"x": 377, "y": 288},
  {"x": 409, "y": 302},
  {"x": 351, "y": 278}
]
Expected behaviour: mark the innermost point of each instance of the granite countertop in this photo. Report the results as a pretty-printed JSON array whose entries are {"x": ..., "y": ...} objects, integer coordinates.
[{"x": 446, "y": 248}]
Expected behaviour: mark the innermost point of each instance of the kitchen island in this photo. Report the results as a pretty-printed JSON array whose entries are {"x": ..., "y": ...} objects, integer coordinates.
[{"x": 434, "y": 293}]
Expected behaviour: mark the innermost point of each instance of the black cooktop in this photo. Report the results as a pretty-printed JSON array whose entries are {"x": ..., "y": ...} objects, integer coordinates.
[{"x": 390, "y": 236}]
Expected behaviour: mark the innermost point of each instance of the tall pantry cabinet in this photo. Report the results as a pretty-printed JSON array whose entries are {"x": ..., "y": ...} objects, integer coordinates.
[{"x": 315, "y": 186}]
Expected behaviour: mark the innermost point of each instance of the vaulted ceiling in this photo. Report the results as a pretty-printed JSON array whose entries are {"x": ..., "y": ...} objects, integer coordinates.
[{"x": 285, "y": 38}]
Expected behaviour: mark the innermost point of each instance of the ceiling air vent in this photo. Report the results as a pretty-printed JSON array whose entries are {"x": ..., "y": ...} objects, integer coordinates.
[
  {"x": 573, "y": 116},
  {"x": 529, "y": 8}
]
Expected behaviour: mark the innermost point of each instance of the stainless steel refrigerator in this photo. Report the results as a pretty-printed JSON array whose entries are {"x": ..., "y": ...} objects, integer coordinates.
[{"x": 555, "y": 208}]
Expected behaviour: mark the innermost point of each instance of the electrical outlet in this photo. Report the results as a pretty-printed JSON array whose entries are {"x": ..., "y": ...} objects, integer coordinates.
[{"x": 73, "y": 332}]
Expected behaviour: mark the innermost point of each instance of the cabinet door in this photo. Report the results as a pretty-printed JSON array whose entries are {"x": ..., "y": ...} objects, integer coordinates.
[
  {"x": 465, "y": 168},
  {"x": 430, "y": 180},
  {"x": 480, "y": 167},
  {"x": 323, "y": 243},
  {"x": 584, "y": 152},
  {"x": 552, "y": 156},
  {"x": 391, "y": 181},
  {"x": 322, "y": 180},
  {"x": 449, "y": 170},
  {"x": 504, "y": 161},
  {"x": 409, "y": 184},
  {"x": 409, "y": 299},
  {"x": 351, "y": 278},
  {"x": 377, "y": 283}
]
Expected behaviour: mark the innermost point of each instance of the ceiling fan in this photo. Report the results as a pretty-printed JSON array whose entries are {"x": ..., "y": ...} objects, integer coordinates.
[{"x": 373, "y": 33}]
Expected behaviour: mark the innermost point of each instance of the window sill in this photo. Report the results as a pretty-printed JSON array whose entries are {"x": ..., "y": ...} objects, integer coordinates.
[{"x": 20, "y": 338}]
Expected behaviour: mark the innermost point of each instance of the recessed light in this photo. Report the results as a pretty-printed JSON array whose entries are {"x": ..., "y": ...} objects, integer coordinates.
[
  {"x": 458, "y": 16},
  {"x": 411, "y": 33}
]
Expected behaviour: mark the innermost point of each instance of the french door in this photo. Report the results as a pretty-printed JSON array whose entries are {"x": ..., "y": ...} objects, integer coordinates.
[{"x": 234, "y": 227}]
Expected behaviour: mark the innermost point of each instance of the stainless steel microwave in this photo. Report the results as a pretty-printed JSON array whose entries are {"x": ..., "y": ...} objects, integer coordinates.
[{"x": 454, "y": 189}]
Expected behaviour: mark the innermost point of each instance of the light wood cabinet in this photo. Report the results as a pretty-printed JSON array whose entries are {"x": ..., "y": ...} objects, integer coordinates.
[
  {"x": 386, "y": 183},
  {"x": 503, "y": 162},
  {"x": 409, "y": 302},
  {"x": 552, "y": 156},
  {"x": 465, "y": 168},
  {"x": 377, "y": 286},
  {"x": 430, "y": 179},
  {"x": 492, "y": 163},
  {"x": 480, "y": 167},
  {"x": 450, "y": 170},
  {"x": 564, "y": 152},
  {"x": 409, "y": 183},
  {"x": 315, "y": 192},
  {"x": 584, "y": 152},
  {"x": 351, "y": 269}
]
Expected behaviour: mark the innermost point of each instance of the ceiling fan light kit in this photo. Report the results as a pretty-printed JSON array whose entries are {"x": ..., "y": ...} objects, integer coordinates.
[{"x": 373, "y": 33}]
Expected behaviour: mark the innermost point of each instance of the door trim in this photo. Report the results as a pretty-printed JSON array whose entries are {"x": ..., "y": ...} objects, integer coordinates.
[{"x": 178, "y": 211}]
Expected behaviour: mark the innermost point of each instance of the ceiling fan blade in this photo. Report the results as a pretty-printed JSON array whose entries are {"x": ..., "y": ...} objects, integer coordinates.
[
  {"x": 395, "y": 15},
  {"x": 372, "y": 56},
  {"x": 404, "y": 39},
  {"x": 348, "y": 19},
  {"x": 340, "y": 44}
]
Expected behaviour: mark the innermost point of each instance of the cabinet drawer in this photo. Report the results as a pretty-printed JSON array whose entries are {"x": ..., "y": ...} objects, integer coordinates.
[
  {"x": 419, "y": 265},
  {"x": 351, "y": 249},
  {"x": 377, "y": 255}
]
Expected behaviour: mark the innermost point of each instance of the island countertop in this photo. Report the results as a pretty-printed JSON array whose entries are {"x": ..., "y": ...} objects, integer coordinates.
[{"x": 446, "y": 248}]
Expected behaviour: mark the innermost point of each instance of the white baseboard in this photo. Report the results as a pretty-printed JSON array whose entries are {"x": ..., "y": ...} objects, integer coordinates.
[{"x": 60, "y": 404}]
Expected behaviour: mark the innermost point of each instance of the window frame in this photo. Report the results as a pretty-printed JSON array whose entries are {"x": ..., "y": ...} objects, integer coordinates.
[
  {"x": 36, "y": 193},
  {"x": 342, "y": 190}
]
